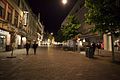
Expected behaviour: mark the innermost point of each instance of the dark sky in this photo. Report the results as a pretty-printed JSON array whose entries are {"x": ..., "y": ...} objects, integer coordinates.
[{"x": 52, "y": 12}]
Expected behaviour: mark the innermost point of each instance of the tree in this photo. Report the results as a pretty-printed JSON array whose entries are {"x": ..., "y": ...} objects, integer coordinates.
[
  {"x": 69, "y": 30},
  {"x": 104, "y": 14},
  {"x": 59, "y": 36}
]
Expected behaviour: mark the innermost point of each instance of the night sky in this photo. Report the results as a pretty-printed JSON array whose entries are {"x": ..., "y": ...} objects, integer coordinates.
[{"x": 52, "y": 12}]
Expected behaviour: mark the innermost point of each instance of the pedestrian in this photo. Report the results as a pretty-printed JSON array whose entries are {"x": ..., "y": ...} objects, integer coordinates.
[
  {"x": 98, "y": 47},
  {"x": 118, "y": 44},
  {"x": 35, "y": 45},
  {"x": 93, "y": 46},
  {"x": 13, "y": 47},
  {"x": 27, "y": 46}
]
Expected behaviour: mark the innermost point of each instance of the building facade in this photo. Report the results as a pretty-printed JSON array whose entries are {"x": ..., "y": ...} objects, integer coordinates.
[
  {"x": 18, "y": 24},
  {"x": 79, "y": 11}
]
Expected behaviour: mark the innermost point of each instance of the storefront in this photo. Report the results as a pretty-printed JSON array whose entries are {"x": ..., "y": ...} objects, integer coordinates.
[
  {"x": 4, "y": 39},
  {"x": 2, "y": 42}
]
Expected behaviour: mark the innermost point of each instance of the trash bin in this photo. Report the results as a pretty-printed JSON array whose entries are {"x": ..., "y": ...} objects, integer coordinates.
[{"x": 89, "y": 52}]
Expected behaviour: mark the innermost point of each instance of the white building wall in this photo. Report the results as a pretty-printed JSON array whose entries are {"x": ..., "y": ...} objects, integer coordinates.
[{"x": 107, "y": 42}]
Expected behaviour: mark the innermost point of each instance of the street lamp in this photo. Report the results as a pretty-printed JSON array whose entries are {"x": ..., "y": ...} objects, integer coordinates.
[
  {"x": 64, "y": 2},
  {"x": 51, "y": 33}
]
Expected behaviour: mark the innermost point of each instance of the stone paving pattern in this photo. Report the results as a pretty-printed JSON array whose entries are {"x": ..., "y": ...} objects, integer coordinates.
[{"x": 56, "y": 64}]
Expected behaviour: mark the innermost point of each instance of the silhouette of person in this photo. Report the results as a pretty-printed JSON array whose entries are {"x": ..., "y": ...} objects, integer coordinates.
[
  {"x": 35, "y": 45},
  {"x": 99, "y": 47},
  {"x": 93, "y": 46},
  {"x": 27, "y": 47}
]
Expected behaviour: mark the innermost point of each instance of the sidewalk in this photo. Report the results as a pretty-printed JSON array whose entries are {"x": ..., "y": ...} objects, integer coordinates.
[
  {"x": 104, "y": 55},
  {"x": 16, "y": 52},
  {"x": 56, "y": 64},
  {"x": 108, "y": 54}
]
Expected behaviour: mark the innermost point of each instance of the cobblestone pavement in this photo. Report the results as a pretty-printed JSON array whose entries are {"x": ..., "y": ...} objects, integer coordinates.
[{"x": 56, "y": 64}]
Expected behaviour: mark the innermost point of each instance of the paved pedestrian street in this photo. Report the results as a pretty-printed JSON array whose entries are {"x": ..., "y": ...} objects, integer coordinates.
[{"x": 55, "y": 64}]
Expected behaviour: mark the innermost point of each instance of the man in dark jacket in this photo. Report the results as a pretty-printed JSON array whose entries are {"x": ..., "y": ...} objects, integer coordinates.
[
  {"x": 27, "y": 46},
  {"x": 93, "y": 46},
  {"x": 35, "y": 45}
]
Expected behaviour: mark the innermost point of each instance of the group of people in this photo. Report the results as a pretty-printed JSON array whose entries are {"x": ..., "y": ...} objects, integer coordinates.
[
  {"x": 98, "y": 45},
  {"x": 34, "y": 46},
  {"x": 92, "y": 47}
]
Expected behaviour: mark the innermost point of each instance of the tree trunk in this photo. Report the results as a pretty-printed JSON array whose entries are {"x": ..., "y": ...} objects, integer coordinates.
[{"x": 113, "y": 53}]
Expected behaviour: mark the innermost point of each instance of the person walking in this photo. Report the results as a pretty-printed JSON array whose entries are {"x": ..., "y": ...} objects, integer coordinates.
[
  {"x": 27, "y": 46},
  {"x": 35, "y": 45},
  {"x": 93, "y": 46},
  {"x": 98, "y": 47}
]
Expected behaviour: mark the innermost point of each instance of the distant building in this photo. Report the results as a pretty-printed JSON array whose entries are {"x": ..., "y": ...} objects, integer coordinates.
[{"x": 17, "y": 20}]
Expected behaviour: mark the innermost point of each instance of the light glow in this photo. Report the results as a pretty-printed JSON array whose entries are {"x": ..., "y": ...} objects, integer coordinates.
[{"x": 64, "y": 1}]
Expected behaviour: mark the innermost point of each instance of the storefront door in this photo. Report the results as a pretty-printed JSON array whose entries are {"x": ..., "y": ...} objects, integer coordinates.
[{"x": 2, "y": 42}]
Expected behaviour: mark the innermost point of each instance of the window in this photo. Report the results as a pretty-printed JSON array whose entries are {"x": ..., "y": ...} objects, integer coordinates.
[
  {"x": 16, "y": 19},
  {"x": 2, "y": 10},
  {"x": 22, "y": 6},
  {"x": 20, "y": 23},
  {"x": 9, "y": 16},
  {"x": 17, "y": 2}
]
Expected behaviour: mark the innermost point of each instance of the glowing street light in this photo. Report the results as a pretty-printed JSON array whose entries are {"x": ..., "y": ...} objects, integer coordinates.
[{"x": 64, "y": 1}]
